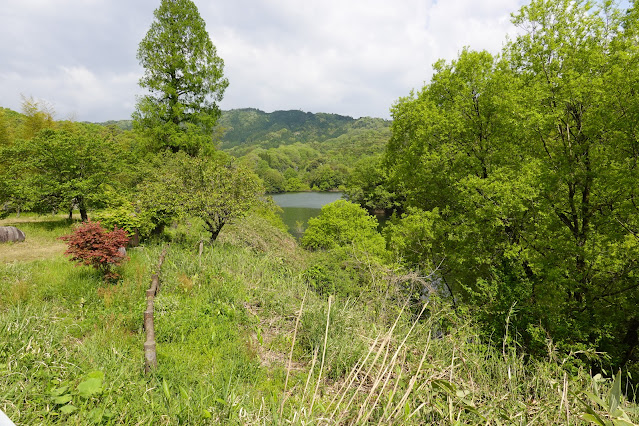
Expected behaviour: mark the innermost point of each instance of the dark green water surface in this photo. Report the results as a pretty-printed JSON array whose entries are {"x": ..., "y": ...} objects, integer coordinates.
[{"x": 299, "y": 207}]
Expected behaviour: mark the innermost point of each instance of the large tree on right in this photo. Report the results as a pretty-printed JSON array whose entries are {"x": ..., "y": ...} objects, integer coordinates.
[
  {"x": 530, "y": 164},
  {"x": 185, "y": 79}
]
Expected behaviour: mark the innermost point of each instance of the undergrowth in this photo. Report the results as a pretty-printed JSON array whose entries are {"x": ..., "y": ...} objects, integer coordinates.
[{"x": 257, "y": 331}]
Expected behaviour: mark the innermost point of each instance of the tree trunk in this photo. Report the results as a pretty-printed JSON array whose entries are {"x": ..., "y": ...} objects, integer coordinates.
[
  {"x": 83, "y": 212},
  {"x": 158, "y": 229},
  {"x": 71, "y": 213},
  {"x": 215, "y": 231}
]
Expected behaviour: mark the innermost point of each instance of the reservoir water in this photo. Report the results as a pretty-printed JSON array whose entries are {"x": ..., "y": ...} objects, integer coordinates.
[{"x": 299, "y": 207}]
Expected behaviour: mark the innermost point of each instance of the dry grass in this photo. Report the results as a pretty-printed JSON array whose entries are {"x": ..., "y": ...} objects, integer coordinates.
[
  {"x": 29, "y": 250},
  {"x": 41, "y": 238}
]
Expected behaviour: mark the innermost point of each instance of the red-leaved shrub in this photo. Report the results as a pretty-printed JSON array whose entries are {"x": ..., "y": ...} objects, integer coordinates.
[{"x": 91, "y": 244}]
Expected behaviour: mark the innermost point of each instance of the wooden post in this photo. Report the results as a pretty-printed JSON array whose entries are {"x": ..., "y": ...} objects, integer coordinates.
[
  {"x": 155, "y": 285},
  {"x": 200, "y": 252},
  {"x": 150, "y": 354}
]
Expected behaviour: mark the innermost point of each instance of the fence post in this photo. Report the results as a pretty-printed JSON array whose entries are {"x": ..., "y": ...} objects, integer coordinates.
[{"x": 150, "y": 354}]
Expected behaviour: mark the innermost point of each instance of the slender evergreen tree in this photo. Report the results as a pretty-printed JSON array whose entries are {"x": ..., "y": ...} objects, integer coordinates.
[{"x": 185, "y": 79}]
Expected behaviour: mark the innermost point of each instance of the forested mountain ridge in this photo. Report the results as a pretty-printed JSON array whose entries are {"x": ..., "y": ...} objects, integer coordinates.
[
  {"x": 295, "y": 150},
  {"x": 298, "y": 151},
  {"x": 250, "y": 126}
]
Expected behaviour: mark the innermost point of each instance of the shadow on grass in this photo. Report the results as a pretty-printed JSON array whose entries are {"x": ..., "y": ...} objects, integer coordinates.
[
  {"x": 53, "y": 224},
  {"x": 40, "y": 223}
]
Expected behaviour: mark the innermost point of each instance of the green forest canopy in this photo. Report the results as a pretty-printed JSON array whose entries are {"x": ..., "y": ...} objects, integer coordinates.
[{"x": 521, "y": 180}]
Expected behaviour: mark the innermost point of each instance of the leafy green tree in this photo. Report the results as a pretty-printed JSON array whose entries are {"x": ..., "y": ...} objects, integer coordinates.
[
  {"x": 369, "y": 186},
  {"x": 16, "y": 189},
  {"x": 216, "y": 189},
  {"x": 293, "y": 182},
  {"x": 528, "y": 159},
  {"x": 38, "y": 115},
  {"x": 576, "y": 127},
  {"x": 325, "y": 177},
  {"x": 6, "y": 177},
  {"x": 185, "y": 78},
  {"x": 344, "y": 224},
  {"x": 273, "y": 180},
  {"x": 66, "y": 167},
  {"x": 6, "y": 131}
]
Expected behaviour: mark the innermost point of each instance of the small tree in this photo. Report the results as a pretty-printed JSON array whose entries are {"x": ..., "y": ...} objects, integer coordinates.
[
  {"x": 216, "y": 189},
  {"x": 90, "y": 244},
  {"x": 342, "y": 224}
]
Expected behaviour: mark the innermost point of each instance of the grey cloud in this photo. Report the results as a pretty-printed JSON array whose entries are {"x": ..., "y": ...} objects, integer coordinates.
[{"x": 351, "y": 57}]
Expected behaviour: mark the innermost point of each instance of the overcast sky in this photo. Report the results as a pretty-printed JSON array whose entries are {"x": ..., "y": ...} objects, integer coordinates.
[{"x": 350, "y": 57}]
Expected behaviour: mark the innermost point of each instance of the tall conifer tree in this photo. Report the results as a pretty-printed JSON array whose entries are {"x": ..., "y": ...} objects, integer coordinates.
[{"x": 185, "y": 79}]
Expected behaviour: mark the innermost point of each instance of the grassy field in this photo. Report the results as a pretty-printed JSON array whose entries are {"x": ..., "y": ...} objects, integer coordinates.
[
  {"x": 243, "y": 339},
  {"x": 41, "y": 242}
]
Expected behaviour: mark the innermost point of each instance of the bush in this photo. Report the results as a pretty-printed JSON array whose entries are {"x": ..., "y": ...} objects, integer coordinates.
[
  {"x": 90, "y": 244},
  {"x": 344, "y": 224},
  {"x": 125, "y": 217}
]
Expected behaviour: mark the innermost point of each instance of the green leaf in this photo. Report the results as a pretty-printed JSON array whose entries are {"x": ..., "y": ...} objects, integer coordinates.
[
  {"x": 165, "y": 388},
  {"x": 59, "y": 391},
  {"x": 90, "y": 387},
  {"x": 462, "y": 393},
  {"x": 96, "y": 415},
  {"x": 444, "y": 385},
  {"x": 596, "y": 399},
  {"x": 184, "y": 393},
  {"x": 472, "y": 409},
  {"x": 621, "y": 422},
  {"x": 68, "y": 409},
  {"x": 62, "y": 399},
  {"x": 615, "y": 393},
  {"x": 590, "y": 413},
  {"x": 592, "y": 419},
  {"x": 97, "y": 374}
]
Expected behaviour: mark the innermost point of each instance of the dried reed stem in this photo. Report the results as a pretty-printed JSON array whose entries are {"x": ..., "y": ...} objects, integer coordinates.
[
  {"x": 290, "y": 355},
  {"x": 319, "y": 378}
]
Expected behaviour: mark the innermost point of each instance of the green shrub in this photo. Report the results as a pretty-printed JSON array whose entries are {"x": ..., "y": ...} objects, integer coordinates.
[
  {"x": 342, "y": 224},
  {"x": 327, "y": 276},
  {"x": 125, "y": 217}
]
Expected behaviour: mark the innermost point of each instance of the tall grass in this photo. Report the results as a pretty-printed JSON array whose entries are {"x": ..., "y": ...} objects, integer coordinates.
[{"x": 243, "y": 339}]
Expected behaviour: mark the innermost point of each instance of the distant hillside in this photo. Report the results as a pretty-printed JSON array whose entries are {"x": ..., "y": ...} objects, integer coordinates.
[
  {"x": 246, "y": 129},
  {"x": 122, "y": 124},
  {"x": 296, "y": 151},
  {"x": 251, "y": 126}
]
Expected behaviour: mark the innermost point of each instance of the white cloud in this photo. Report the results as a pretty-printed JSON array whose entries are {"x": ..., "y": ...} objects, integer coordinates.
[{"x": 352, "y": 57}]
